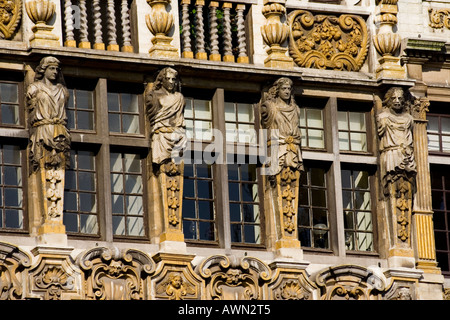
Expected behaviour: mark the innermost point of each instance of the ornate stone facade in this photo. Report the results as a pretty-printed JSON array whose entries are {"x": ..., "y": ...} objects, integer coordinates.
[{"x": 334, "y": 113}]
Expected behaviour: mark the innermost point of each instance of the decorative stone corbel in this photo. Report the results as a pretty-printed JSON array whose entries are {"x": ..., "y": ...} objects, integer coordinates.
[
  {"x": 275, "y": 33},
  {"x": 386, "y": 41},
  {"x": 14, "y": 264},
  {"x": 41, "y": 12},
  {"x": 160, "y": 22}
]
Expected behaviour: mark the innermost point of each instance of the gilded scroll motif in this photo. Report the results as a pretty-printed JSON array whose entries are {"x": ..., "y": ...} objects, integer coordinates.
[
  {"x": 328, "y": 42},
  {"x": 229, "y": 278},
  {"x": 10, "y": 15},
  {"x": 439, "y": 18},
  {"x": 53, "y": 280},
  {"x": 115, "y": 275}
]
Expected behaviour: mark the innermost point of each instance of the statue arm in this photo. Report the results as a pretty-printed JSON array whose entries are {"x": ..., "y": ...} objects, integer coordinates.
[{"x": 381, "y": 124}]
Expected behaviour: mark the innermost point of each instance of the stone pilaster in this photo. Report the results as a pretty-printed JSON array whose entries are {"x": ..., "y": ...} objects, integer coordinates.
[{"x": 423, "y": 212}]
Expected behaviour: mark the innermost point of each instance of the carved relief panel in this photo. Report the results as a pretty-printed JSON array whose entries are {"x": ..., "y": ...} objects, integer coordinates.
[
  {"x": 115, "y": 275},
  {"x": 10, "y": 15},
  {"x": 328, "y": 41},
  {"x": 13, "y": 267},
  {"x": 230, "y": 278},
  {"x": 175, "y": 278},
  {"x": 350, "y": 282}
]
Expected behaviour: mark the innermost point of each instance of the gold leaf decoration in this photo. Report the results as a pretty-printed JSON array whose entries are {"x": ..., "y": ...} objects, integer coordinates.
[
  {"x": 10, "y": 15},
  {"x": 327, "y": 41}
]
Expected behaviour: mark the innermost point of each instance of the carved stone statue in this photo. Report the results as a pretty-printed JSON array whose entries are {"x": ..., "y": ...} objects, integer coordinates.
[
  {"x": 396, "y": 139},
  {"x": 165, "y": 111},
  {"x": 281, "y": 115},
  {"x": 46, "y": 98}
]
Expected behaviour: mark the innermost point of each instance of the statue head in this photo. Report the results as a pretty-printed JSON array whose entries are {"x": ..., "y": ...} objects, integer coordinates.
[
  {"x": 282, "y": 88},
  {"x": 394, "y": 99},
  {"x": 49, "y": 68},
  {"x": 168, "y": 79}
]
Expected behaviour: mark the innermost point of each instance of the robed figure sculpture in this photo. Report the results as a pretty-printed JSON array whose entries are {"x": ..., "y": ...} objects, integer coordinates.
[
  {"x": 280, "y": 116},
  {"x": 397, "y": 172},
  {"x": 165, "y": 111},
  {"x": 46, "y": 99}
]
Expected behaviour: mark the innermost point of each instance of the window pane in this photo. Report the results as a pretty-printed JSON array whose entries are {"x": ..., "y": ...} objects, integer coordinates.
[
  {"x": 342, "y": 120},
  {"x": 88, "y": 202},
  {"x": 85, "y": 120},
  {"x": 235, "y": 212},
  {"x": 129, "y": 102},
  {"x": 135, "y": 205},
  {"x": 357, "y": 121},
  {"x": 343, "y": 141},
  {"x": 204, "y": 189},
  {"x": 233, "y": 189},
  {"x": 358, "y": 141},
  {"x": 364, "y": 221},
  {"x": 231, "y": 132},
  {"x": 304, "y": 236},
  {"x": 113, "y": 102},
  {"x": 118, "y": 225},
  {"x": 207, "y": 231},
  {"x": 203, "y": 171},
  {"x": 433, "y": 124},
  {"x": 189, "y": 209},
  {"x": 202, "y": 109},
  {"x": 70, "y": 201},
  {"x": 71, "y": 221},
  {"x": 445, "y": 125},
  {"x": 13, "y": 197},
  {"x": 85, "y": 99},
  {"x": 114, "y": 122},
  {"x": 117, "y": 204},
  {"x": 315, "y": 118},
  {"x": 361, "y": 179},
  {"x": 132, "y": 163},
  {"x": 133, "y": 184},
  {"x": 206, "y": 210},
  {"x": 11, "y": 154},
  {"x": 348, "y": 220},
  {"x": 236, "y": 235},
  {"x": 188, "y": 108},
  {"x": 86, "y": 160},
  {"x": 14, "y": 219},
  {"x": 316, "y": 138},
  {"x": 89, "y": 224},
  {"x": 130, "y": 123},
  {"x": 245, "y": 112},
  {"x": 13, "y": 176},
  {"x": 362, "y": 200},
  {"x": 189, "y": 229},
  {"x": 445, "y": 143},
  {"x": 365, "y": 241},
  {"x": 230, "y": 113},
  {"x": 317, "y": 177},
  {"x": 433, "y": 142},
  {"x": 9, "y": 92},
  {"x": 10, "y": 114},
  {"x": 86, "y": 181},
  {"x": 117, "y": 183},
  {"x": 252, "y": 234},
  {"x": 135, "y": 226}
]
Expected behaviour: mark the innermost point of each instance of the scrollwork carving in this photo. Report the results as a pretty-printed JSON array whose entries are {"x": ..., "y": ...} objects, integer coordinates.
[
  {"x": 229, "y": 278},
  {"x": 10, "y": 15},
  {"x": 13, "y": 263},
  {"x": 328, "y": 42},
  {"x": 439, "y": 18},
  {"x": 114, "y": 274}
]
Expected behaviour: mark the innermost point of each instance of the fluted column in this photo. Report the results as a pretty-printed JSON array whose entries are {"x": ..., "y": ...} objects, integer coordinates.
[
  {"x": 160, "y": 22},
  {"x": 275, "y": 33},
  {"x": 386, "y": 41},
  {"x": 422, "y": 211},
  {"x": 41, "y": 12}
]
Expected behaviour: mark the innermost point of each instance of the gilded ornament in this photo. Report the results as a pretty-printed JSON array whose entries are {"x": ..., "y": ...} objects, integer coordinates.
[
  {"x": 10, "y": 15},
  {"x": 328, "y": 42},
  {"x": 54, "y": 280},
  {"x": 176, "y": 287},
  {"x": 439, "y": 18}
]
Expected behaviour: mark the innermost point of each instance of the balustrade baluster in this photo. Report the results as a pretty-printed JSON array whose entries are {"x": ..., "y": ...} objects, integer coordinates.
[
  {"x": 200, "y": 31},
  {"x": 112, "y": 30},
  {"x": 186, "y": 29},
  {"x": 214, "y": 32},
  {"x": 227, "y": 39},
  {"x": 242, "y": 44},
  {"x": 68, "y": 20},
  {"x": 126, "y": 33},
  {"x": 98, "y": 43},
  {"x": 84, "y": 40}
]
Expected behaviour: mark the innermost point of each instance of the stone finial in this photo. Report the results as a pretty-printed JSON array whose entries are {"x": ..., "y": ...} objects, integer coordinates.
[{"x": 41, "y": 12}]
